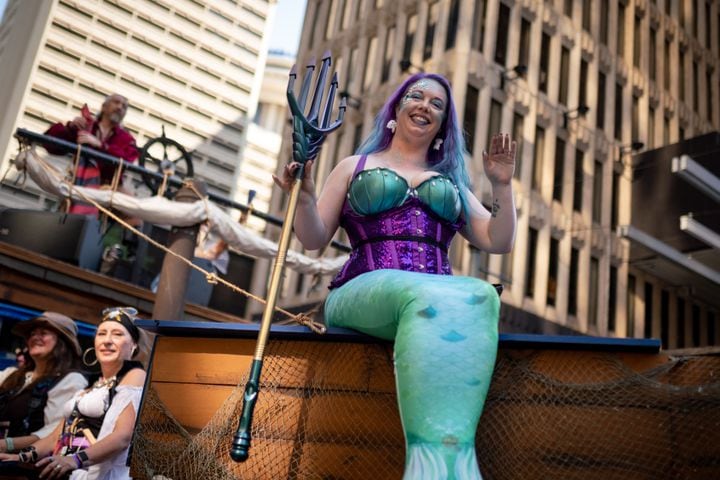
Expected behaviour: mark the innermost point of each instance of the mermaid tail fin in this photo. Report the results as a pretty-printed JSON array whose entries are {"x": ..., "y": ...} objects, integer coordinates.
[
  {"x": 429, "y": 461},
  {"x": 424, "y": 461}
]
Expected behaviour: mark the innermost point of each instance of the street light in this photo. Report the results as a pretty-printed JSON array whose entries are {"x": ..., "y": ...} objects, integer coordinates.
[
  {"x": 406, "y": 64},
  {"x": 631, "y": 147},
  {"x": 578, "y": 112},
  {"x": 505, "y": 75},
  {"x": 353, "y": 102}
]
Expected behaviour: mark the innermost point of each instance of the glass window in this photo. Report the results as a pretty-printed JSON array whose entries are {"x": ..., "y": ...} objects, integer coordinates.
[
  {"x": 544, "y": 62},
  {"x": 330, "y": 26},
  {"x": 479, "y": 25},
  {"x": 710, "y": 99},
  {"x": 648, "y": 317},
  {"x": 517, "y": 135},
  {"x": 452, "y": 24},
  {"x": 494, "y": 121},
  {"x": 597, "y": 192},
  {"x": 664, "y": 317},
  {"x": 559, "y": 169},
  {"x": 409, "y": 37},
  {"x": 357, "y": 136},
  {"x": 612, "y": 300},
  {"x": 530, "y": 267},
  {"x": 696, "y": 88},
  {"x": 652, "y": 52},
  {"x": 502, "y": 35},
  {"x": 637, "y": 41},
  {"x": 600, "y": 114},
  {"x": 604, "y": 12},
  {"x": 470, "y": 117},
  {"x": 369, "y": 63},
  {"x": 618, "y": 111},
  {"x": 681, "y": 78},
  {"x": 587, "y": 15},
  {"x": 582, "y": 100},
  {"x": 578, "y": 180},
  {"x": 573, "y": 281},
  {"x": 564, "y": 75},
  {"x": 707, "y": 25},
  {"x": 430, "y": 30},
  {"x": 621, "y": 29},
  {"x": 635, "y": 119},
  {"x": 651, "y": 129},
  {"x": 593, "y": 293},
  {"x": 666, "y": 65},
  {"x": 631, "y": 306},
  {"x": 615, "y": 207},
  {"x": 387, "y": 57},
  {"x": 524, "y": 54},
  {"x": 553, "y": 271},
  {"x": 538, "y": 158}
]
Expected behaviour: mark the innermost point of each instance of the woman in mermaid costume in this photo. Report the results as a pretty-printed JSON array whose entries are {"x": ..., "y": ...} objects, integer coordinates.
[{"x": 401, "y": 201}]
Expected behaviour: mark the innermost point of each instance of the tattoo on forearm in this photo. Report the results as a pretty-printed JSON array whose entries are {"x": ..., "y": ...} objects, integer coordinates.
[{"x": 495, "y": 208}]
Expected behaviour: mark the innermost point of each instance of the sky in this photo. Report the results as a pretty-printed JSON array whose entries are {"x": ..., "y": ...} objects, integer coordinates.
[{"x": 285, "y": 33}]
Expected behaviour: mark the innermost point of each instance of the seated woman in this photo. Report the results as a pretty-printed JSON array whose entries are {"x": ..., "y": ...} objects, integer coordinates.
[
  {"x": 401, "y": 202},
  {"x": 93, "y": 440},
  {"x": 32, "y": 395}
]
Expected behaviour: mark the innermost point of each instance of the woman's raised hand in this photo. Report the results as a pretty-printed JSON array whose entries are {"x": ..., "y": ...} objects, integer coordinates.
[
  {"x": 499, "y": 163},
  {"x": 288, "y": 174}
]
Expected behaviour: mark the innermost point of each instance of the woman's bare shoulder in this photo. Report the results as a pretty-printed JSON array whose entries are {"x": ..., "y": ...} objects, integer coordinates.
[{"x": 135, "y": 377}]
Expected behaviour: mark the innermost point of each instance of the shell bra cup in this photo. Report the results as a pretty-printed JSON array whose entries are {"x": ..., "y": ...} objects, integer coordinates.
[{"x": 380, "y": 189}]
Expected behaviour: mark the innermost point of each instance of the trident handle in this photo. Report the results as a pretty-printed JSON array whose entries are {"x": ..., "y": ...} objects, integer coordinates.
[
  {"x": 309, "y": 133},
  {"x": 242, "y": 439}
]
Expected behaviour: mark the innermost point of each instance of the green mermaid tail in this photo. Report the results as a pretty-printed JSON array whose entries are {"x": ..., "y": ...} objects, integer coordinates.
[{"x": 445, "y": 332}]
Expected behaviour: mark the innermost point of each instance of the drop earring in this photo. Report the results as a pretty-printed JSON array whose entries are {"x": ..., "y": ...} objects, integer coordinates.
[
  {"x": 438, "y": 143},
  {"x": 391, "y": 125}
]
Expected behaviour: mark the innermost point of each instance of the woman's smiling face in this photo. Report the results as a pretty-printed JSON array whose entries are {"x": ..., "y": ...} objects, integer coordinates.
[
  {"x": 113, "y": 343},
  {"x": 41, "y": 342},
  {"x": 423, "y": 107}
]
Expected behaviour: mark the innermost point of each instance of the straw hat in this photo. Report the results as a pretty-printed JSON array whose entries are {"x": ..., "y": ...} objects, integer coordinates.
[{"x": 64, "y": 326}]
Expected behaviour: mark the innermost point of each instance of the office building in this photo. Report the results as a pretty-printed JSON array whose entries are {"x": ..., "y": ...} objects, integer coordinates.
[{"x": 583, "y": 86}]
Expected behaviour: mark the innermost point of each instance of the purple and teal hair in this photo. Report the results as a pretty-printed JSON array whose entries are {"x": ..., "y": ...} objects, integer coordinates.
[{"x": 449, "y": 160}]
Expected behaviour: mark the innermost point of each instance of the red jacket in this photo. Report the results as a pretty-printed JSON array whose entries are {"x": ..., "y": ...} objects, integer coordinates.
[
  {"x": 94, "y": 173},
  {"x": 120, "y": 143}
]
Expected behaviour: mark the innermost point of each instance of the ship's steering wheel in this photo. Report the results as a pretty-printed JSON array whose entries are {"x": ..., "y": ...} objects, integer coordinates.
[{"x": 165, "y": 156}]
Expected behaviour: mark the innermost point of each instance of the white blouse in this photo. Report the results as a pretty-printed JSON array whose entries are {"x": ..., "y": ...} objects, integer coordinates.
[{"x": 113, "y": 468}]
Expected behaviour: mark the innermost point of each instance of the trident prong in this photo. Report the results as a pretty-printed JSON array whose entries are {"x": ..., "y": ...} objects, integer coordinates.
[{"x": 308, "y": 135}]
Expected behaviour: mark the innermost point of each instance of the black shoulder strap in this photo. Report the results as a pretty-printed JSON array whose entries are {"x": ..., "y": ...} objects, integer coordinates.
[{"x": 35, "y": 418}]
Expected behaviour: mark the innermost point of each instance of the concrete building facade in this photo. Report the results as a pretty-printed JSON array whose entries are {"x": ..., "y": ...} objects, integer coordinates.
[
  {"x": 265, "y": 136},
  {"x": 582, "y": 86},
  {"x": 194, "y": 67}
]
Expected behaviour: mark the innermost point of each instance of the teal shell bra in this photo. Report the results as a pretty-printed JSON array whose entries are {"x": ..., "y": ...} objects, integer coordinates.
[{"x": 379, "y": 189}]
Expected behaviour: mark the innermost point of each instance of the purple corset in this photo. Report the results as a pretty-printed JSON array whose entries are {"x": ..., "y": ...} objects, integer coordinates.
[{"x": 409, "y": 237}]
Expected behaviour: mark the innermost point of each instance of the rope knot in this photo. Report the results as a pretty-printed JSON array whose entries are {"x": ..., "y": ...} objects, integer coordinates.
[{"x": 307, "y": 321}]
